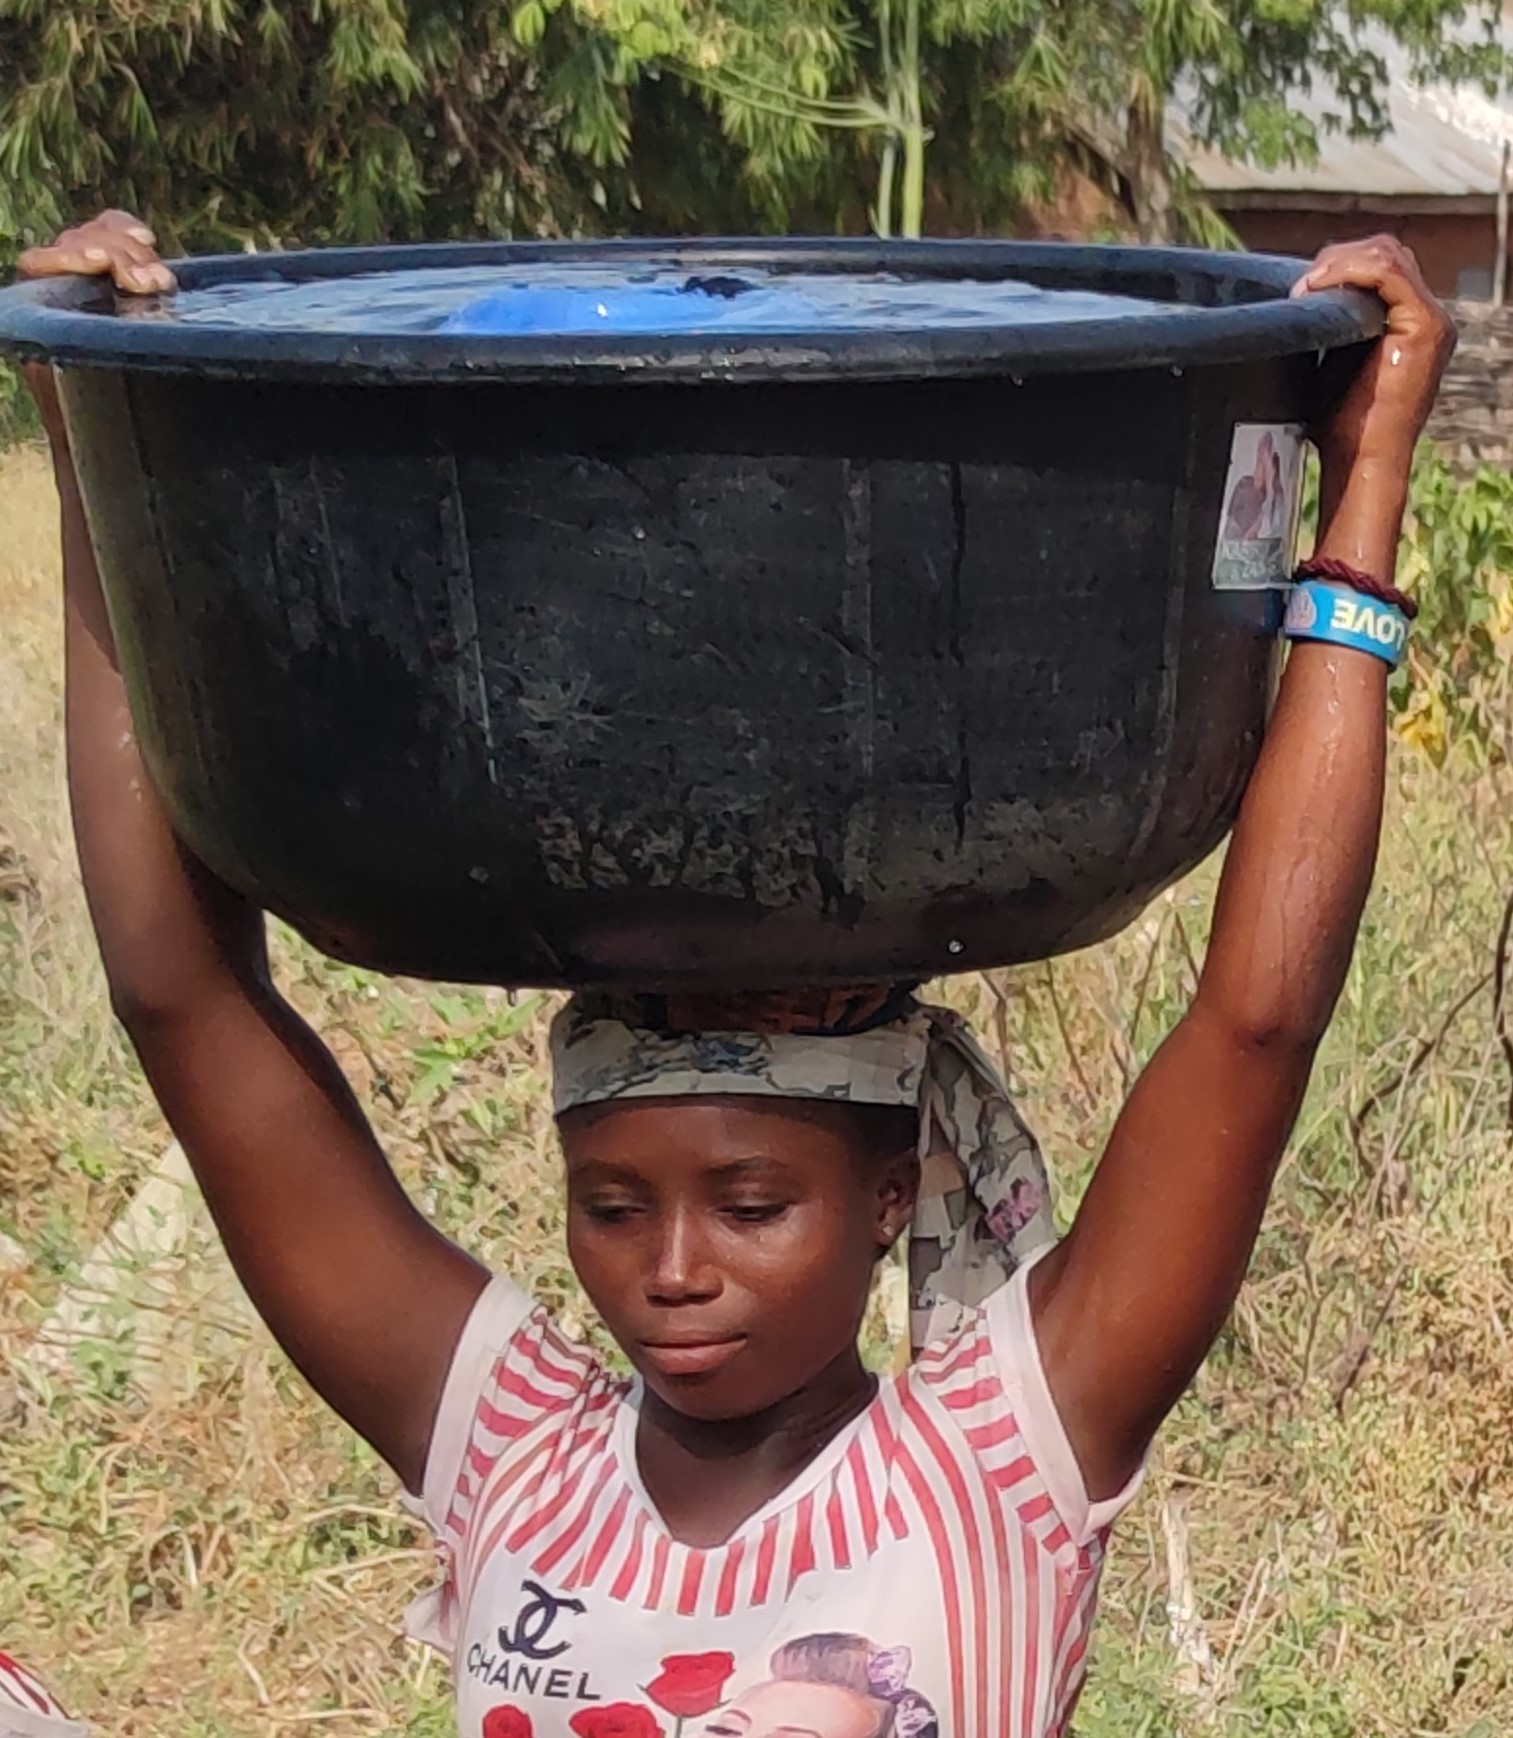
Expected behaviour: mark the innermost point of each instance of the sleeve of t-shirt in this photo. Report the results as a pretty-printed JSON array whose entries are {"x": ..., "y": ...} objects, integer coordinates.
[
  {"x": 512, "y": 1372},
  {"x": 500, "y": 1313},
  {"x": 1016, "y": 1351},
  {"x": 26, "y": 1708}
]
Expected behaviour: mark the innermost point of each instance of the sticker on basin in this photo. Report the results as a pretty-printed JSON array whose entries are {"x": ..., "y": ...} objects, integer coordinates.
[{"x": 1258, "y": 527}]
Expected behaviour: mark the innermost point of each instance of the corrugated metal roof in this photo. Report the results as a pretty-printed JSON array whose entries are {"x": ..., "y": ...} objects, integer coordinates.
[{"x": 1443, "y": 142}]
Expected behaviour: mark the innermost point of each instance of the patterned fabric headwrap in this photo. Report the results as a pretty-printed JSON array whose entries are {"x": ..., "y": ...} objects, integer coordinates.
[{"x": 984, "y": 1200}]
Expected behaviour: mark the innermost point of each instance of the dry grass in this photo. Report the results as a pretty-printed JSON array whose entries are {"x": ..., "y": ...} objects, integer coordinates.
[{"x": 215, "y": 1556}]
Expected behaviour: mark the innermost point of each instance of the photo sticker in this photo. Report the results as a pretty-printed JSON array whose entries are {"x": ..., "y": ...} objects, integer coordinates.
[{"x": 1258, "y": 527}]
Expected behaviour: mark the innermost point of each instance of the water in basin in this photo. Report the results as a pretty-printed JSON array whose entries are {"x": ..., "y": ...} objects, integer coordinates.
[{"x": 572, "y": 299}]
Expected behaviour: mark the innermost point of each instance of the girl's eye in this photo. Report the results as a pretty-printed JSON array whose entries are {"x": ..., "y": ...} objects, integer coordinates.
[
  {"x": 752, "y": 1213},
  {"x": 609, "y": 1212}
]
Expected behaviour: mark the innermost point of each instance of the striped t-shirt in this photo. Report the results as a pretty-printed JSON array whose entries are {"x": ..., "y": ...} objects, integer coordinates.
[
  {"x": 933, "y": 1571},
  {"x": 27, "y": 1710}
]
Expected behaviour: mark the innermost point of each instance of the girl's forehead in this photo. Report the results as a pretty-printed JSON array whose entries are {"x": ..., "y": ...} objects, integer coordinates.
[
  {"x": 666, "y": 1137},
  {"x": 703, "y": 1114}
]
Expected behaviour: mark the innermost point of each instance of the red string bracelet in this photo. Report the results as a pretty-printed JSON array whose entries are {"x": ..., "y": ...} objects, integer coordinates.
[{"x": 1342, "y": 573}]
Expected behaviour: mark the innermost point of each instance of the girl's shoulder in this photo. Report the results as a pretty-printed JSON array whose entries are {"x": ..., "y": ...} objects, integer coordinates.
[
  {"x": 988, "y": 1378},
  {"x": 514, "y": 1371}
]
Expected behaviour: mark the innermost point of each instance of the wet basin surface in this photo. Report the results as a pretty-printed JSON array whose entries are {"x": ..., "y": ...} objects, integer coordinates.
[{"x": 691, "y": 615}]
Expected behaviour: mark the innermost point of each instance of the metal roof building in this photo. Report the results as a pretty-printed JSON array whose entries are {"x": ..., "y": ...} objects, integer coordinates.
[{"x": 1435, "y": 178}]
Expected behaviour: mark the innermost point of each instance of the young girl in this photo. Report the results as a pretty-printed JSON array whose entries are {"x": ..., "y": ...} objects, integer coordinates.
[{"x": 753, "y": 1535}]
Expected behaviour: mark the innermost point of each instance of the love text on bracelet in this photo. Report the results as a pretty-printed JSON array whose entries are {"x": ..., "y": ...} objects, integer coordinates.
[
  {"x": 1342, "y": 617},
  {"x": 1325, "y": 567}
]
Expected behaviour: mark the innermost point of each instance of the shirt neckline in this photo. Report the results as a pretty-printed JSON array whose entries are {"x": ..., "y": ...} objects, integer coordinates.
[{"x": 798, "y": 1487}]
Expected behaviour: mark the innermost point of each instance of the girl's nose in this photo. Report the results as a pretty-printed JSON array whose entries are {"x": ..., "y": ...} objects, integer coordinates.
[{"x": 682, "y": 1271}]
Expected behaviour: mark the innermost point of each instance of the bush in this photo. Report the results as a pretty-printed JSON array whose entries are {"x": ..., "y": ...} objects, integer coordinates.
[
  {"x": 1457, "y": 560},
  {"x": 18, "y": 415}
]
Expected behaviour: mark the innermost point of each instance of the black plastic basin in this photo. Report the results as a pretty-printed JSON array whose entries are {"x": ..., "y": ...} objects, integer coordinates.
[{"x": 692, "y": 661}]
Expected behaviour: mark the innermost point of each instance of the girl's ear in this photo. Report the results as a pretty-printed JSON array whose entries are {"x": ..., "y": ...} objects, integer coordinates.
[{"x": 897, "y": 1192}]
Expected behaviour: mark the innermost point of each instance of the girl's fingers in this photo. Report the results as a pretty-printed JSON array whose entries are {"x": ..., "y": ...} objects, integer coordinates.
[
  {"x": 1412, "y": 310},
  {"x": 64, "y": 259},
  {"x": 147, "y": 268},
  {"x": 1390, "y": 282},
  {"x": 1383, "y": 265},
  {"x": 116, "y": 218},
  {"x": 138, "y": 270},
  {"x": 131, "y": 264},
  {"x": 135, "y": 265},
  {"x": 146, "y": 280},
  {"x": 115, "y": 244}
]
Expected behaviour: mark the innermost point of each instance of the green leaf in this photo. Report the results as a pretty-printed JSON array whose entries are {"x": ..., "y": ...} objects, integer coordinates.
[{"x": 529, "y": 23}]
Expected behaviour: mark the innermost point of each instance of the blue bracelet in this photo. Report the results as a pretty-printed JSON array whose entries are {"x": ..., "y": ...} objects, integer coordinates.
[{"x": 1341, "y": 617}]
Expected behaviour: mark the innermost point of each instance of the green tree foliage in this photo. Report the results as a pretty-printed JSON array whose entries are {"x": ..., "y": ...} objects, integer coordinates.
[
  {"x": 274, "y": 123},
  {"x": 1004, "y": 92},
  {"x": 1452, "y": 694},
  {"x": 264, "y": 122},
  {"x": 845, "y": 96}
]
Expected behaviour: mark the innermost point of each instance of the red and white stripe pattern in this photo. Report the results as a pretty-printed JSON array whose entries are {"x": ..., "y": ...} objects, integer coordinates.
[
  {"x": 1025, "y": 1592},
  {"x": 937, "y": 1473},
  {"x": 22, "y": 1694}
]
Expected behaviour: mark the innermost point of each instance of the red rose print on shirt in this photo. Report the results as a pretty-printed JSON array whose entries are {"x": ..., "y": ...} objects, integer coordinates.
[
  {"x": 507, "y": 1722},
  {"x": 616, "y": 1720},
  {"x": 691, "y": 1684}
]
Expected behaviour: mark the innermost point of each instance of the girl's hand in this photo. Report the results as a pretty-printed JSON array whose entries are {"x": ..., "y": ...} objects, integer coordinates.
[
  {"x": 1385, "y": 408},
  {"x": 116, "y": 245}
]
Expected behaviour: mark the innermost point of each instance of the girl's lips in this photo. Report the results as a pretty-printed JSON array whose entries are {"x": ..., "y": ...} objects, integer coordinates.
[{"x": 695, "y": 1358}]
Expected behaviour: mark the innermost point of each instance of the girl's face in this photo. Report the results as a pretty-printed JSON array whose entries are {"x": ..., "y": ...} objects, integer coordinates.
[
  {"x": 790, "y": 1710},
  {"x": 728, "y": 1243}
]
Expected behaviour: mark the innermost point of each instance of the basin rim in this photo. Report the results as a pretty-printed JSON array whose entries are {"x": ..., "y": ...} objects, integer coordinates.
[{"x": 1249, "y": 318}]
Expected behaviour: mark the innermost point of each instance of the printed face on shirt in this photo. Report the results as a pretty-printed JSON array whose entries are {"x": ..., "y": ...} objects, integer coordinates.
[
  {"x": 794, "y": 1710},
  {"x": 729, "y": 1243}
]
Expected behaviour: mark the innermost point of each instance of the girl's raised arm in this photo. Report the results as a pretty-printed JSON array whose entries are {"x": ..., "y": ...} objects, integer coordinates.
[
  {"x": 1128, "y": 1306},
  {"x": 366, "y": 1298}
]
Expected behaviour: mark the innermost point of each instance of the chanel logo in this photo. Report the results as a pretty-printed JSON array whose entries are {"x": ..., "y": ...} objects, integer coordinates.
[{"x": 534, "y": 1623}]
